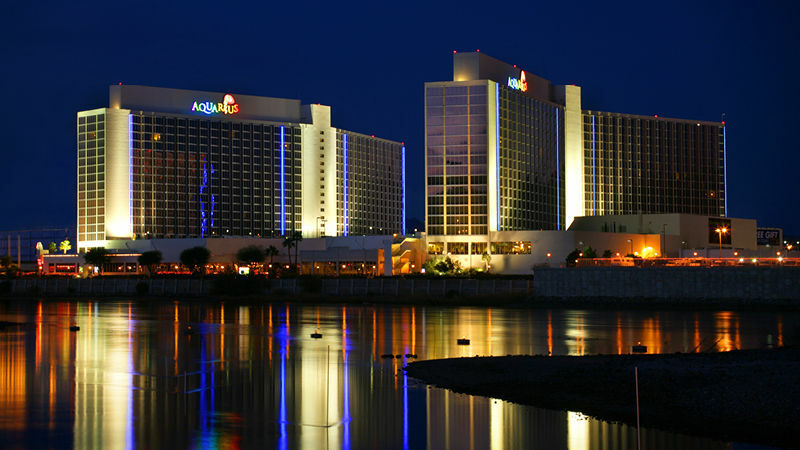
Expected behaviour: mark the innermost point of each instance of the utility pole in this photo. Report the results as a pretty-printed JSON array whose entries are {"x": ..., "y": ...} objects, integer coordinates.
[{"x": 638, "y": 433}]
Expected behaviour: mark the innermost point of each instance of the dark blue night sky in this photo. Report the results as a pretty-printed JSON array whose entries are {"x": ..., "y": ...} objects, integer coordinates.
[{"x": 369, "y": 61}]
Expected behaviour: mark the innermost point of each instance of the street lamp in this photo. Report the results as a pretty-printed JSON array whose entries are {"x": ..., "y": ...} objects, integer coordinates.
[{"x": 720, "y": 231}]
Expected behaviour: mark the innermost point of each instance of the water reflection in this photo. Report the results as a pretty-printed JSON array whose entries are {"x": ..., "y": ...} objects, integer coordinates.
[{"x": 136, "y": 374}]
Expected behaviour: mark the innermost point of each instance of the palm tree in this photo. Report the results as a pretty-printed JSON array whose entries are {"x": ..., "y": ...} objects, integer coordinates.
[
  {"x": 292, "y": 241},
  {"x": 298, "y": 237},
  {"x": 271, "y": 252},
  {"x": 288, "y": 242}
]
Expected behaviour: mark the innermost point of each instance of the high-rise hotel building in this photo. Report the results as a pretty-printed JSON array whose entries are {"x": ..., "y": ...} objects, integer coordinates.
[
  {"x": 507, "y": 150},
  {"x": 161, "y": 163}
]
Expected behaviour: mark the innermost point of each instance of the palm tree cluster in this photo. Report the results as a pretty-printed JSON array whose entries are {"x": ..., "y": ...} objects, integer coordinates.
[
  {"x": 254, "y": 256},
  {"x": 290, "y": 241}
]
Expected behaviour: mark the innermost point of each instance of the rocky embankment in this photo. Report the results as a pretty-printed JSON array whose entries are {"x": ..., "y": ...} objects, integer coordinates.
[{"x": 746, "y": 395}]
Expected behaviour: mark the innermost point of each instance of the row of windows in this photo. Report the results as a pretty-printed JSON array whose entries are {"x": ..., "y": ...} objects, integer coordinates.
[
  {"x": 374, "y": 186},
  {"x": 478, "y": 248}
]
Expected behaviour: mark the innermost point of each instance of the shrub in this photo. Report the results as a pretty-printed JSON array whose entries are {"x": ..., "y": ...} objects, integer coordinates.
[
  {"x": 442, "y": 266},
  {"x": 195, "y": 258}
]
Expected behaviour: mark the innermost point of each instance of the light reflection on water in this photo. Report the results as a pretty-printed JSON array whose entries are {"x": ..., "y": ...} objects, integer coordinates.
[{"x": 251, "y": 375}]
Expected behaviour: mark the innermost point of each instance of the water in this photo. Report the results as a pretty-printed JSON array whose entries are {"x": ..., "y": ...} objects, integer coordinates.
[{"x": 251, "y": 375}]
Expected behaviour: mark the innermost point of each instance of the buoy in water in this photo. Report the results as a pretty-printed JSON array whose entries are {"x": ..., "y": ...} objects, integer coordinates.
[
  {"x": 74, "y": 328},
  {"x": 639, "y": 349},
  {"x": 387, "y": 355},
  {"x": 410, "y": 355},
  {"x": 316, "y": 335},
  {"x": 189, "y": 330},
  {"x": 462, "y": 341}
]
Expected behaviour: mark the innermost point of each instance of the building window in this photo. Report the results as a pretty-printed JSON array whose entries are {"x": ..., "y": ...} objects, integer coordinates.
[
  {"x": 479, "y": 248},
  {"x": 511, "y": 248},
  {"x": 435, "y": 248},
  {"x": 457, "y": 248}
]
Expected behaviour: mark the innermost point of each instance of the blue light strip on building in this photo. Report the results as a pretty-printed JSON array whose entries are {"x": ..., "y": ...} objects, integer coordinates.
[
  {"x": 213, "y": 199},
  {"x": 725, "y": 164},
  {"x": 203, "y": 220},
  {"x": 594, "y": 172},
  {"x": 403, "y": 163},
  {"x": 345, "y": 223},
  {"x": 283, "y": 183},
  {"x": 497, "y": 153},
  {"x": 558, "y": 180}
]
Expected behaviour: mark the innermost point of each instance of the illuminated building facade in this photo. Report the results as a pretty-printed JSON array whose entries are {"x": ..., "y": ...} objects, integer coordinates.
[
  {"x": 171, "y": 163},
  {"x": 509, "y": 151},
  {"x": 494, "y": 150},
  {"x": 650, "y": 165}
]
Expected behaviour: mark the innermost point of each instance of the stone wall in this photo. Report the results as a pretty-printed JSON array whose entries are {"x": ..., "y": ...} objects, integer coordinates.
[{"x": 756, "y": 283}]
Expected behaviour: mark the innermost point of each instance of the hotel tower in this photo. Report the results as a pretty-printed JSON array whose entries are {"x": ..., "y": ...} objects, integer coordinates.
[
  {"x": 507, "y": 150},
  {"x": 171, "y": 163}
]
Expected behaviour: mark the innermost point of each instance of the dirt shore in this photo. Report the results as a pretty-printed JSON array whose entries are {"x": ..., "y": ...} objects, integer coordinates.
[{"x": 746, "y": 395}]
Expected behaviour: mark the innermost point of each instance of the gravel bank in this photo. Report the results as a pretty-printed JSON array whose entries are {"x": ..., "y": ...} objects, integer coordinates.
[{"x": 746, "y": 395}]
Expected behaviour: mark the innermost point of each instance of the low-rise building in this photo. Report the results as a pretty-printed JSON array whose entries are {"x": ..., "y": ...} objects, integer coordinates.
[{"x": 681, "y": 234}]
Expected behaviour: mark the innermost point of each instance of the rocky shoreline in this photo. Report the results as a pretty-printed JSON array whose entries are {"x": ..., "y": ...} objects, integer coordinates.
[{"x": 745, "y": 395}]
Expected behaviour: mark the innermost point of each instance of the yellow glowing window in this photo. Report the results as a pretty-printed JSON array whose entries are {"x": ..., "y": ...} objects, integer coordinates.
[
  {"x": 511, "y": 248},
  {"x": 435, "y": 248},
  {"x": 156, "y": 136}
]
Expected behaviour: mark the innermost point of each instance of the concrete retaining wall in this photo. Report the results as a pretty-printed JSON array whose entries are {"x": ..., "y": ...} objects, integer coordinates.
[
  {"x": 670, "y": 282},
  {"x": 611, "y": 282}
]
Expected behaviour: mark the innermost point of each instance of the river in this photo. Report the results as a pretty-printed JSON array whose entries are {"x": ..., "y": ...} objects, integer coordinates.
[{"x": 226, "y": 375}]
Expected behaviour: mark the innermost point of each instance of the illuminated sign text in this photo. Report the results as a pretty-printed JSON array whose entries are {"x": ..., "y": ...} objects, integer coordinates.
[
  {"x": 228, "y": 106},
  {"x": 518, "y": 84}
]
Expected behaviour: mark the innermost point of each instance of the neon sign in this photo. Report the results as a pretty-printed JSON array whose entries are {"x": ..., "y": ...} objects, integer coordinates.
[
  {"x": 228, "y": 106},
  {"x": 518, "y": 84}
]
